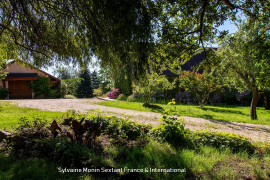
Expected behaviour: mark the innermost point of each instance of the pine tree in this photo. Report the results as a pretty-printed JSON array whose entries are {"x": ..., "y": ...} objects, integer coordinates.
[
  {"x": 85, "y": 89},
  {"x": 94, "y": 80}
]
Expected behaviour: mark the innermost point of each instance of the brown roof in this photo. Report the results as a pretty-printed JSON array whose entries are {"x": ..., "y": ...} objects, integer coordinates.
[
  {"x": 22, "y": 75},
  {"x": 31, "y": 66}
]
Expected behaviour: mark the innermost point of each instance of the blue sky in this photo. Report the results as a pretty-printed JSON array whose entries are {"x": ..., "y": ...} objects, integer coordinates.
[{"x": 228, "y": 25}]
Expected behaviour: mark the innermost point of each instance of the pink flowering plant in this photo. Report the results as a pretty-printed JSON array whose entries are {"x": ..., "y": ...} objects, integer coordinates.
[{"x": 114, "y": 94}]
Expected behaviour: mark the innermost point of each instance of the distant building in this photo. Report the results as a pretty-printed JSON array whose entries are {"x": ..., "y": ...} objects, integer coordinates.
[{"x": 18, "y": 79}]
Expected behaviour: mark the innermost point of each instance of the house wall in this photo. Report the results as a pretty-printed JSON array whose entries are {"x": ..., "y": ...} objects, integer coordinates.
[
  {"x": 20, "y": 68},
  {"x": 1, "y": 83}
]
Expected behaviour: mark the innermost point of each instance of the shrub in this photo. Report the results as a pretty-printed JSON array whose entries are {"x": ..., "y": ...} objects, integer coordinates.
[
  {"x": 136, "y": 97},
  {"x": 172, "y": 131},
  {"x": 69, "y": 96},
  {"x": 3, "y": 93},
  {"x": 222, "y": 140},
  {"x": 42, "y": 88},
  {"x": 72, "y": 85},
  {"x": 122, "y": 97},
  {"x": 200, "y": 85},
  {"x": 63, "y": 151},
  {"x": 125, "y": 128},
  {"x": 185, "y": 98},
  {"x": 61, "y": 89},
  {"x": 97, "y": 92},
  {"x": 114, "y": 94}
]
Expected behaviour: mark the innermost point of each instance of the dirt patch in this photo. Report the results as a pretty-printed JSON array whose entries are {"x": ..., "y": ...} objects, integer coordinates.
[{"x": 254, "y": 132}]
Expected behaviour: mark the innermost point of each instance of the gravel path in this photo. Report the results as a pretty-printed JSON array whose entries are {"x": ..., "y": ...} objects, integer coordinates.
[{"x": 253, "y": 131}]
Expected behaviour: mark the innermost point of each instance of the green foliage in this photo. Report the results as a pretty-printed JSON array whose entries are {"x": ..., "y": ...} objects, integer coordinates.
[
  {"x": 223, "y": 140},
  {"x": 85, "y": 89},
  {"x": 72, "y": 85},
  {"x": 123, "y": 81},
  {"x": 243, "y": 60},
  {"x": 65, "y": 73},
  {"x": 200, "y": 85},
  {"x": 121, "y": 97},
  {"x": 172, "y": 129},
  {"x": 152, "y": 84},
  {"x": 105, "y": 79},
  {"x": 97, "y": 92},
  {"x": 3, "y": 93},
  {"x": 63, "y": 151},
  {"x": 42, "y": 88},
  {"x": 69, "y": 96},
  {"x": 61, "y": 89},
  {"x": 94, "y": 80}
]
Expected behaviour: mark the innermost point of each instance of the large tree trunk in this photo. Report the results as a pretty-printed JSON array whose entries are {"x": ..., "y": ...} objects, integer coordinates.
[
  {"x": 266, "y": 100},
  {"x": 254, "y": 102}
]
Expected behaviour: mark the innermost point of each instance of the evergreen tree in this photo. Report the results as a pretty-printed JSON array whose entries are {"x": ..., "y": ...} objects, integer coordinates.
[
  {"x": 94, "y": 80},
  {"x": 85, "y": 89}
]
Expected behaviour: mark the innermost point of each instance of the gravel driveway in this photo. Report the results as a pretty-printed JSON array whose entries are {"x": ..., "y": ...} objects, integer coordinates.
[{"x": 253, "y": 131}]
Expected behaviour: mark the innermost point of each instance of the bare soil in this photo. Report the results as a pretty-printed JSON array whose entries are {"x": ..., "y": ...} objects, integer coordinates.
[{"x": 254, "y": 132}]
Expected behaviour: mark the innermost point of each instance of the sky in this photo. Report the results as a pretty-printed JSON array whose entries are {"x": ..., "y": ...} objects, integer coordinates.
[{"x": 228, "y": 25}]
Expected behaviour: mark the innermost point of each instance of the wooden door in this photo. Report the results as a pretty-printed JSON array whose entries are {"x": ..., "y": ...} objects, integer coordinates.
[{"x": 19, "y": 90}]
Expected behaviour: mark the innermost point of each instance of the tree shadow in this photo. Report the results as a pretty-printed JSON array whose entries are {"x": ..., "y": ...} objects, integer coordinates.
[
  {"x": 222, "y": 111},
  {"x": 242, "y": 126}
]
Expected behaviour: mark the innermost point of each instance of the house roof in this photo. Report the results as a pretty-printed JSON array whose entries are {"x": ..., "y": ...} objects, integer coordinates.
[
  {"x": 22, "y": 75},
  {"x": 194, "y": 60},
  {"x": 29, "y": 74}
]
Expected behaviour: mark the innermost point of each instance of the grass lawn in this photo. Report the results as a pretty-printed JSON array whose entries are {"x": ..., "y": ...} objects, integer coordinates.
[
  {"x": 224, "y": 113},
  {"x": 10, "y": 115}
]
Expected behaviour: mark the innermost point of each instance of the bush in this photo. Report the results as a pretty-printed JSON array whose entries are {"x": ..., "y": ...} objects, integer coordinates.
[
  {"x": 222, "y": 140},
  {"x": 61, "y": 89},
  {"x": 69, "y": 96},
  {"x": 42, "y": 88},
  {"x": 97, "y": 92},
  {"x": 124, "y": 128},
  {"x": 173, "y": 132},
  {"x": 135, "y": 97},
  {"x": 185, "y": 98},
  {"x": 3, "y": 93},
  {"x": 63, "y": 152},
  {"x": 122, "y": 97},
  {"x": 114, "y": 94}
]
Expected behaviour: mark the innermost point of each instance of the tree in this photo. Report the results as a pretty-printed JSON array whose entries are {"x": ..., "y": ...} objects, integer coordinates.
[
  {"x": 63, "y": 73},
  {"x": 153, "y": 83},
  {"x": 85, "y": 89},
  {"x": 244, "y": 60},
  {"x": 123, "y": 80},
  {"x": 94, "y": 80},
  {"x": 200, "y": 85},
  {"x": 73, "y": 31},
  {"x": 106, "y": 80}
]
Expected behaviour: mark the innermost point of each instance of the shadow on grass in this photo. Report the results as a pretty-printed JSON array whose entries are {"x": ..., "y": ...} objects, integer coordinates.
[
  {"x": 31, "y": 169},
  {"x": 151, "y": 158},
  {"x": 241, "y": 126},
  {"x": 223, "y": 111}
]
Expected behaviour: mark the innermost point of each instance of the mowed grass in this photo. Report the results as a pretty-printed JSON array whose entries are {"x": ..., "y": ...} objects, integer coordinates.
[
  {"x": 223, "y": 113},
  {"x": 11, "y": 114}
]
